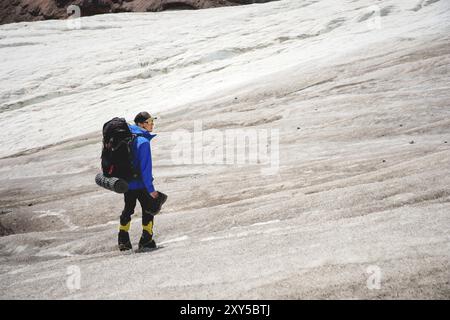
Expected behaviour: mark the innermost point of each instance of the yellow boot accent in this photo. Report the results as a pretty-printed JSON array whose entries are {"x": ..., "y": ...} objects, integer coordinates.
[
  {"x": 125, "y": 227},
  {"x": 149, "y": 227}
]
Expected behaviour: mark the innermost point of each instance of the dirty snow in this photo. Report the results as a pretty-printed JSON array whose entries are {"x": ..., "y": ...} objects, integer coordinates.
[{"x": 360, "y": 96}]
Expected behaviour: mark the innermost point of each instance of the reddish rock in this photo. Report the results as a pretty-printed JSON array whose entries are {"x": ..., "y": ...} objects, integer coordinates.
[{"x": 32, "y": 10}]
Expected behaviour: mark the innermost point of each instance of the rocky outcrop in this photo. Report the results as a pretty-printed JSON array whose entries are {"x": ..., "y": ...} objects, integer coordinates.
[{"x": 33, "y": 10}]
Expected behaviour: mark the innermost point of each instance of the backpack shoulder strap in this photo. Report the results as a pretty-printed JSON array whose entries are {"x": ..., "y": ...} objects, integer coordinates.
[{"x": 135, "y": 172}]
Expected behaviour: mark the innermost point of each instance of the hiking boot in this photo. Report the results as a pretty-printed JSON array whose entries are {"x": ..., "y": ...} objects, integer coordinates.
[
  {"x": 146, "y": 242},
  {"x": 124, "y": 241},
  {"x": 158, "y": 202}
]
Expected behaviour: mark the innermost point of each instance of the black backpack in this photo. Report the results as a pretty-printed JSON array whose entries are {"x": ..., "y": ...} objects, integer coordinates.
[{"x": 117, "y": 152}]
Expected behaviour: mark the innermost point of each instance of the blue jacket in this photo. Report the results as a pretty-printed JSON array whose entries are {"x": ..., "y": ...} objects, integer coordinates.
[{"x": 142, "y": 159}]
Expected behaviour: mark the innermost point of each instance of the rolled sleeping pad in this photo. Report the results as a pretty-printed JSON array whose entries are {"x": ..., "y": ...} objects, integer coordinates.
[{"x": 111, "y": 183}]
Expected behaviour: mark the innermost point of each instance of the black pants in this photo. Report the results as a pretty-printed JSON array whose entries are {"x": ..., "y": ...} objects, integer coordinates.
[{"x": 146, "y": 201}]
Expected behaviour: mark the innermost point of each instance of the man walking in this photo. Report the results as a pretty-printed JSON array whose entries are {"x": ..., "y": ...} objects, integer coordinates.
[{"x": 141, "y": 188}]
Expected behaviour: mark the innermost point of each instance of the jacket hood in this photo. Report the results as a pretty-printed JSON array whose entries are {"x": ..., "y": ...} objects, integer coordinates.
[{"x": 141, "y": 132}]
